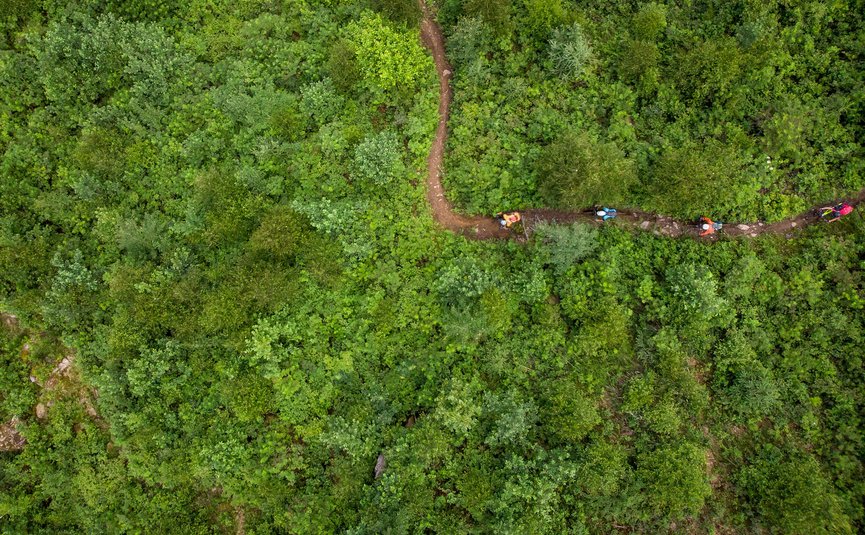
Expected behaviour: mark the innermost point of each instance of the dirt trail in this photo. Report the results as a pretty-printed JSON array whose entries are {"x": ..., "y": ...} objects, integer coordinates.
[
  {"x": 482, "y": 228},
  {"x": 475, "y": 226}
]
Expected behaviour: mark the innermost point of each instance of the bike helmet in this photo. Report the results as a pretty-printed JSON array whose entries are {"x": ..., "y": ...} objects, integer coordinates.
[{"x": 705, "y": 226}]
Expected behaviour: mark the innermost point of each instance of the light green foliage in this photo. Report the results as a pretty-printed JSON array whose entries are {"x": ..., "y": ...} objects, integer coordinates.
[
  {"x": 639, "y": 394},
  {"x": 711, "y": 69},
  {"x": 459, "y": 406},
  {"x": 497, "y": 311},
  {"x": 694, "y": 290},
  {"x": 461, "y": 280},
  {"x": 114, "y": 53},
  {"x": 280, "y": 234},
  {"x": 513, "y": 419},
  {"x": 569, "y": 414},
  {"x": 495, "y": 13},
  {"x": 391, "y": 60},
  {"x": 467, "y": 42},
  {"x": 250, "y": 397},
  {"x": 283, "y": 351},
  {"x": 664, "y": 418},
  {"x": 603, "y": 469},
  {"x": 695, "y": 109},
  {"x": 743, "y": 381},
  {"x": 18, "y": 393},
  {"x": 544, "y": 15},
  {"x": 640, "y": 59},
  {"x": 71, "y": 292},
  {"x": 570, "y": 51},
  {"x": 142, "y": 240}
]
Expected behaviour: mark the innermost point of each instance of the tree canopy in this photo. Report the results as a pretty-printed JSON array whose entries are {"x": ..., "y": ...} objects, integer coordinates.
[{"x": 226, "y": 306}]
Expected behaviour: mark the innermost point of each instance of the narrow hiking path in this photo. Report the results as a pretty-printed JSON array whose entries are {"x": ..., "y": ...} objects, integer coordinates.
[{"x": 484, "y": 228}]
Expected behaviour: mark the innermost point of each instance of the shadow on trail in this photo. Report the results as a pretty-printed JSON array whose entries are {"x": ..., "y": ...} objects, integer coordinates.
[{"x": 484, "y": 228}]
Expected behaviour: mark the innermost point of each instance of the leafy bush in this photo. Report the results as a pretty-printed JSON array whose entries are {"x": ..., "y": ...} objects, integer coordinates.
[
  {"x": 342, "y": 66},
  {"x": 402, "y": 11},
  {"x": 567, "y": 244},
  {"x": 576, "y": 171},
  {"x": 391, "y": 61},
  {"x": 262, "y": 321},
  {"x": 675, "y": 480},
  {"x": 378, "y": 158},
  {"x": 694, "y": 180},
  {"x": 18, "y": 392},
  {"x": 280, "y": 234},
  {"x": 496, "y": 13},
  {"x": 790, "y": 493},
  {"x": 469, "y": 38},
  {"x": 650, "y": 21},
  {"x": 569, "y": 414},
  {"x": 461, "y": 280},
  {"x": 320, "y": 101}
]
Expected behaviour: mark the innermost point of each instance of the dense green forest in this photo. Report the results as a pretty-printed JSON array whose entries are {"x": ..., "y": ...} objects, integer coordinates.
[
  {"x": 217, "y": 210},
  {"x": 741, "y": 109}
]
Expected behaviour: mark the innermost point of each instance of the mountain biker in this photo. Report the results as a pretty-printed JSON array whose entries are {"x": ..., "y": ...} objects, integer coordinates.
[
  {"x": 606, "y": 213},
  {"x": 507, "y": 219},
  {"x": 709, "y": 226},
  {"x": 838, "y": 211}
]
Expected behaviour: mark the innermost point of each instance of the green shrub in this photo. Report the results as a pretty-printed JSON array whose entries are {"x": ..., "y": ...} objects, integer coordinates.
[
  {"x": 650, "y": 21},
  {"x": 708, "y": 179},
  {"x": 567, "y": 244},
  {"x": 320, "y": 101},
  {"x": 675, "y": 480},
  {"x": 790, "y": 493},
  {"x": 378, "y": 158},
  {"x": 577, "y": 171}
]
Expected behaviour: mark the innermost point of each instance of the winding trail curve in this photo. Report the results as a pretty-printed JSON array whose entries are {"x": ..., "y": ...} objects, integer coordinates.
[{"x": 482, "y": 228}]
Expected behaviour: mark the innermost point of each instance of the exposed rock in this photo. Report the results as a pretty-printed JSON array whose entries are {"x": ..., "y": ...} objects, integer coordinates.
[
  {"x": 10, "y": 439},
  {"x": 64, "y": 364},
  {"x": 743, "y": 227},
  {"x": 645, "y": 224},
  {"x": 41, "y": 411},
  {"x": 380, "y": 465},
  {"x": 10, "y": 321},
  {"x": 793, "y": 224}
]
